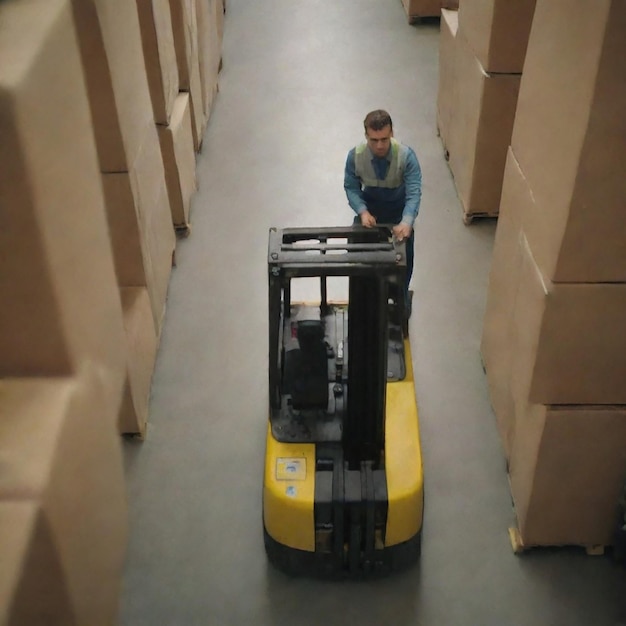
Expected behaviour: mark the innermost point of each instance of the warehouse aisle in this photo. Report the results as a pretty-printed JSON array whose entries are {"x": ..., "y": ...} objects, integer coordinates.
[{"x": 296, "y": 83}]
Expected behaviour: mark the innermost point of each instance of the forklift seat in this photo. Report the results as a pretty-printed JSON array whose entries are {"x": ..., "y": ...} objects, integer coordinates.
[{"x": 306, "y": 368}]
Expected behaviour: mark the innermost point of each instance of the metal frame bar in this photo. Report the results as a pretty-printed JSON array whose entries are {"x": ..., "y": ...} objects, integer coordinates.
[{"x": 366, "y": 249}]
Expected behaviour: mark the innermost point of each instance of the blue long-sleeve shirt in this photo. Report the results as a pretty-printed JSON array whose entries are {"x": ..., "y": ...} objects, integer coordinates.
[{"x": 405, "y": 199}]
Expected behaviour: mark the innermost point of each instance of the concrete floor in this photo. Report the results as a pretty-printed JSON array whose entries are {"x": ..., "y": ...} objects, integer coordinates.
[{"x": 297, "y": 81}]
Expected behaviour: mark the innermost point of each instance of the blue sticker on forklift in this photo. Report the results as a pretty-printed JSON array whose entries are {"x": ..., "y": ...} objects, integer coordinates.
[
  {"x": 291, "y": 491},
  {"x": 290, "y": 468}
]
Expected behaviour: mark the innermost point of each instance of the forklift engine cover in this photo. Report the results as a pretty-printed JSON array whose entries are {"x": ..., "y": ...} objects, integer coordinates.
[{"x": 343, "y": 491}]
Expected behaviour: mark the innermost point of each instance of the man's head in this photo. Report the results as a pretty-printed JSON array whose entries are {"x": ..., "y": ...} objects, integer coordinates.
[{"x": 378, "y": 132}]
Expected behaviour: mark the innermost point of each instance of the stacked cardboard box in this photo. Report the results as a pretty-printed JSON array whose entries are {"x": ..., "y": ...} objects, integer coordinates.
[
  {"x": 220, "y": 10},
  {"x": 448, "y": 83},
  {"x": 62, "y": 348},
  {"x": 553, "y": 341},
  {"x": 63, "y": 478},
  {"x": 481, "y": 60},
  {"x": 87, "y": 240},
  {"x": 186, "y": 41},
  {"x": 209, "y": 46},
  {"x": 126, "y": 138},
  {"x": 147, "y": 130},
  {"x": 172, "y": 112},
  {"x": 157, "y": 37},
  {"x": 193, "y": 35},
  {"x": 180, "y": 165},
  {"x": 416, "y": 9},
  {"x": 132, "y": 173},
  {"x": 61, "y": 303}
]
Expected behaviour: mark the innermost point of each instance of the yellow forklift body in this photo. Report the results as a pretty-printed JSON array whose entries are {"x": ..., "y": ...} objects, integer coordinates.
[
  {"x": 343, "y": 487},
  {"x": 288, "y": 493},
  {"x": 289, "y": 485}
]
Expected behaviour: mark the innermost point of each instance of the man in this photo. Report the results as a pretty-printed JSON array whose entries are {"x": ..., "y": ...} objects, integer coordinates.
[{"x": 383, "y": 183}]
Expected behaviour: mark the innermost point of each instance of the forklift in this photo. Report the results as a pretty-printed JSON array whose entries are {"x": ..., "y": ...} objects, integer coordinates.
[{"x": 343, "y": 492}]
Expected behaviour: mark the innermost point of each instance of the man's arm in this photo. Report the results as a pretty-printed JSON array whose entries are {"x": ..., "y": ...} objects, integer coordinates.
[
  {"x": 413, "y": 188},
  {"x": 352, "y": 186}
]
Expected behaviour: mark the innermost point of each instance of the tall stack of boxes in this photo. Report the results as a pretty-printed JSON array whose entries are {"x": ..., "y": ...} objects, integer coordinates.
[
  {"x": 553, "y": 342},
  {"x": 87, "y": 240},
  {"x": 62, "y": 347},
  {"x": 133, "y": 180},
  {"x": 481, "y": 58},
  {"x": 144, "y": 133}
]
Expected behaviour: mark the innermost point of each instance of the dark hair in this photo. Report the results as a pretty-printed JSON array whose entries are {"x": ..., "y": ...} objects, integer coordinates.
[{"x": 377, "y": 120}]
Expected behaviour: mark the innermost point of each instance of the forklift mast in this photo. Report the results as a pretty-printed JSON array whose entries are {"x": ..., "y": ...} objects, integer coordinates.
[{"x": 375, "y": 265}]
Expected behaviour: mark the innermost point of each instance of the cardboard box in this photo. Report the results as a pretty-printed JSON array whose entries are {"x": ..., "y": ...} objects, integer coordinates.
[
  {"x": 115, "y": 73},
  {"x": 61, "y": 452},
  {"x": 568, "y": 341},
  {"x": 220, "y": 10},
  {"x": 184, "y": 22},
  {"x": 567, "y": 472},
  {"x": 504, "y": 277},
  {"x": 141, "y": 341},
  {"x": 60, "y": 300},
  {"x": 497, "y": 31},
  {"x": 558, "y": 342},
  {"x": 147, "y": 178},
  {"x": 125, "y": 235},
  {"x": 157, "y": 37},
  {"x": 480, "y": 132},
  {"x": 179, "y": 160},
  {"x": 32, "y": 584},
  {"x": 141, "y": 247},
  {"x": 209, "y": 51},
  {"x": 180, "y": 13},
  {"x": 144, "y": 252},
  {"x": 427, "y": 8},
  {"x": 571, "y": 148},
  {"x": 448, "y": 82}
]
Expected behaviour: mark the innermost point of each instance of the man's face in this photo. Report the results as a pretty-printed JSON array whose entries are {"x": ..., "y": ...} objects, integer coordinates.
[{"x": 379, "y": 141}]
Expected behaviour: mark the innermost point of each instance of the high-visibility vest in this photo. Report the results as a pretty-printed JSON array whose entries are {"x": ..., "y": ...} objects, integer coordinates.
[{"x": 365, "y": 170}]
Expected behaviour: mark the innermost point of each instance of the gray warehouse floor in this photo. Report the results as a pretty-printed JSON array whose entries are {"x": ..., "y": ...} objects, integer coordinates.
[{"x": 297, "y": 80}]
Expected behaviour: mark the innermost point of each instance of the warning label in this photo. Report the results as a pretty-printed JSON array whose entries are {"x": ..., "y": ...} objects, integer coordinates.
[{"x": 290, "y": 468}]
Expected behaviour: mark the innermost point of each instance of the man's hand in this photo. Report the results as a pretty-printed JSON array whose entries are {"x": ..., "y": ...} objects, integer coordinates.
[
  {"x": 402, "y": 231},
  {"x": 367, "y": 219}
]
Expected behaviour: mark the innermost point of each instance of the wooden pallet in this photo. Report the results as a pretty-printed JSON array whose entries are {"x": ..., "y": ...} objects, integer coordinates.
[
  {"x": 414, "y": 20},
  {"x": 136, "y": 437},
  {"x": 519, "y": 547},
  {"x": 468, "y": 218},
  {"x": 182, "y": 230}
]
